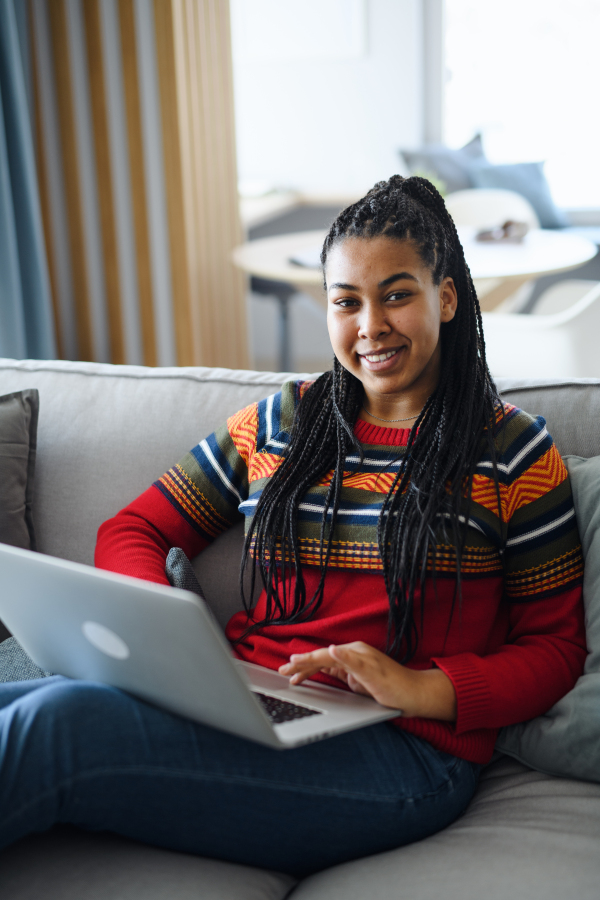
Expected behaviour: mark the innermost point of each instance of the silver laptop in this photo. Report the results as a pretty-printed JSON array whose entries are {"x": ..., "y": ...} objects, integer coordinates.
[{"x": 163, "y": 645}]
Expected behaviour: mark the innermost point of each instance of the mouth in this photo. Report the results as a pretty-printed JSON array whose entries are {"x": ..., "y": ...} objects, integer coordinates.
[{"x": 382, "y": 360}]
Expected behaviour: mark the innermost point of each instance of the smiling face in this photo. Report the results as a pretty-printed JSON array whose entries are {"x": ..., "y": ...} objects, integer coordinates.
[{"x": 384, "y": 317}]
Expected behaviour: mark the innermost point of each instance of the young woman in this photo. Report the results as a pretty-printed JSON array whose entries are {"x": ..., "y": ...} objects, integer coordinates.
[{"x": 415, "y": 541}]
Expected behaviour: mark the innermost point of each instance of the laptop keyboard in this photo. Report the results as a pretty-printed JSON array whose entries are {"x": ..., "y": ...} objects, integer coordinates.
[{"x": 280, "y": 711}]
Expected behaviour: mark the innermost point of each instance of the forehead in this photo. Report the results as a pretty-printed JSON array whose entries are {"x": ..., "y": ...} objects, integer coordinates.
[{"x": 356, "y": 260}]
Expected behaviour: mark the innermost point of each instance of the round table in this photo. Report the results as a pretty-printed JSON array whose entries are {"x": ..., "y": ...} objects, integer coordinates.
[{"x": 498, "y": 269}]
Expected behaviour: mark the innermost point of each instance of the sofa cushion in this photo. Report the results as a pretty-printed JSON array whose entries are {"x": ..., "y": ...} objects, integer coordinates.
[
  {"x": 566, "y": 739},
  {"x": 525, "y": 835},
  {"x": 18, "y": 431},
  {"x": 67, "y": 864}
]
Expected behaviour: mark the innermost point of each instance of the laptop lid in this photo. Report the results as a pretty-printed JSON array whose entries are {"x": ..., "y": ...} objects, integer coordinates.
[{"x": 161, "y": 644}]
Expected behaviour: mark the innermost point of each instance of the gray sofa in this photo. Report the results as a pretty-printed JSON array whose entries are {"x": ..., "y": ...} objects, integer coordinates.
[{"x": 105, "y": 433}]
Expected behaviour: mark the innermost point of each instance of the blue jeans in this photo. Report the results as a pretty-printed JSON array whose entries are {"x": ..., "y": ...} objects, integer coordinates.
[{"x": 91, "y": 755}]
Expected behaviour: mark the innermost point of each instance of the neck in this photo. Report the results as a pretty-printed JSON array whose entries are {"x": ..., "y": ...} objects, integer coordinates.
[{"x": 393, "y": 415}]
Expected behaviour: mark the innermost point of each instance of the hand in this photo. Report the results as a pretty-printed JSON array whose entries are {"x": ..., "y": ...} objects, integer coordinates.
[{"x": 365, "y": 670}]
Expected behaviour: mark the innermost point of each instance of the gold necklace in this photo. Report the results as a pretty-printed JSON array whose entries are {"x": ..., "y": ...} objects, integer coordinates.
[{"x": 407, "y": 419}]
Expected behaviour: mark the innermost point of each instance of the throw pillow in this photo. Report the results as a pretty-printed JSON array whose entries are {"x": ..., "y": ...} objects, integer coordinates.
[
  {"x": 527, "y": 179},
  {"x": 452, "y": 167},
  {"x": 180, "y": 572},
  {"x": 16, "y": 665},
  {"x": 18, "y": 436},
  {"x": 566, "y": 740}
]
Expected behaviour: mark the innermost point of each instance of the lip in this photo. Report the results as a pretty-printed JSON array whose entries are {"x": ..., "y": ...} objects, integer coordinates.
[{"x": 383, "y": 364}]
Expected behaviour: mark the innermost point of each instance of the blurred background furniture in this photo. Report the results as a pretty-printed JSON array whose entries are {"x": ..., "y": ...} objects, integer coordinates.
[
  {"x": 555, "y": 345},
  {"x": 499, "y": 269},
  {"x": 489, "y": 207},
  {"x": 266, "y": 260},
  {"x": 276, "y": 214},
  {"x": 562, "y": 295}
]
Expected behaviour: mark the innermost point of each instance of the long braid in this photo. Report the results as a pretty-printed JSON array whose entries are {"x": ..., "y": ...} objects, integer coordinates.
[
  {"x": 429, "y": 498},
  {"x": 321, "y": 439}
]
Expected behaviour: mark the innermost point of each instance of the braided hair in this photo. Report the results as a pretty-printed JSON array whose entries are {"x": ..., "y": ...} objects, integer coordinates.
[{"x": 428, "y": 499}]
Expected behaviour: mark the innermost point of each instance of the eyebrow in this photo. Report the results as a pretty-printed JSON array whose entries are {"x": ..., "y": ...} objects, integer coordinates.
[{"x": 399, "y": 276}]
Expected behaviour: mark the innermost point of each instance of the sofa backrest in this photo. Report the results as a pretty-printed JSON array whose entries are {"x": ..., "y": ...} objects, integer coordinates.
[
  {"x": 571, "y": 410},
  {"x": 107, "y": 432}
]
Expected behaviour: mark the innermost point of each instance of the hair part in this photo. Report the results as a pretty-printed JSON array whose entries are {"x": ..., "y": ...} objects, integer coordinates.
[{"x": 430, "y": 495}]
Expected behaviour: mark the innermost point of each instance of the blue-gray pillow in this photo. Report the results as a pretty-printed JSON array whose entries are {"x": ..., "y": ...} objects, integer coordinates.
[
  {"x": 527, "y": 179},
  {"x": 452, "y": 167},
  {"x": 566, "y": 740}
]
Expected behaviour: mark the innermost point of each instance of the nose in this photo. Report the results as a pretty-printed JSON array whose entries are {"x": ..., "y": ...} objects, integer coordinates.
[{"x": 373, "y": 322}]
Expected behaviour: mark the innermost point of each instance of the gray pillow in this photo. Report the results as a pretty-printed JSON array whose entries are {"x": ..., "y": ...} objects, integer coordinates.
[
  {"x": 566, "y": 740},
  {"x": 452, "y": 167},
  {"x": 180, "y": 573},
  {"x": 18, "y": 436},
  {"x": 16, "y": 665},
  {"x": 527, "y": 179}
]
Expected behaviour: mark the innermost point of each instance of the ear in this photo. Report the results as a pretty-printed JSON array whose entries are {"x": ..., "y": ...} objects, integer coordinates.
[{"x": 448, "y": 300}]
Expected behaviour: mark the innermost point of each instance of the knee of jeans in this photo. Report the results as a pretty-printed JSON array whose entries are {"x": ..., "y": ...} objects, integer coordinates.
[{"x": 69, "y": 705}]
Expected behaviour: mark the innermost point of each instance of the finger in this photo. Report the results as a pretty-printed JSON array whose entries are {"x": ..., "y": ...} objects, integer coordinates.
[
  {"x": 360, "y": 663},
  {"x": 357, "y": 686},
  {"x": 316, "y": 659},
  {"x": 346, "y": 656}
]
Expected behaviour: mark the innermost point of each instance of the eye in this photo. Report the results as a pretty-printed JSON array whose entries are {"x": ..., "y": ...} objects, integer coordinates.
[
  {"x": 345, "y": 302},
  {"x": 398, "y": 295}
]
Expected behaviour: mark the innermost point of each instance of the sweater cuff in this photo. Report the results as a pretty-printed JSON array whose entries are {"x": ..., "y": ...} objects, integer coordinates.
[{"x": 473, "y": 698}]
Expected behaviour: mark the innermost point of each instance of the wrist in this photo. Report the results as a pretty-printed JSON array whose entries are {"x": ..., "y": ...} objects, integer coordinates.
[{"x": 431, "y": 695}]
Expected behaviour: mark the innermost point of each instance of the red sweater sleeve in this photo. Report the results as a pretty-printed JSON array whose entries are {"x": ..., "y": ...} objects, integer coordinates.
[
  {"x": 540, "y": 662},
  {"x": 137, "y": 540}
]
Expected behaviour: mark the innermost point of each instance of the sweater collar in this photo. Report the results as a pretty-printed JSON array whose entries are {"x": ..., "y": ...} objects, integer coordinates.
[{"x": 375, "y": 434}]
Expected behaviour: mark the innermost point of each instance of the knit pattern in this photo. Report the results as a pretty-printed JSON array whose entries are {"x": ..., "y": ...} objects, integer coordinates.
[{"x": 525, "y": 530}]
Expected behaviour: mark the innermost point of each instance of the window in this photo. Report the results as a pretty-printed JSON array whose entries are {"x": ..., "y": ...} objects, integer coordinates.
[{"x": 525, "y": 73}]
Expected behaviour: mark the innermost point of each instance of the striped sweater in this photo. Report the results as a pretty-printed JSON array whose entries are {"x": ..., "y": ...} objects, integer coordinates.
[{"x": 513, "y": 646}]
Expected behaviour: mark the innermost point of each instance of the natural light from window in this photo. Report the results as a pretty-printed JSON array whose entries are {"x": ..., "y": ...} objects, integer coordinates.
[{"x": 525, "y": 73}]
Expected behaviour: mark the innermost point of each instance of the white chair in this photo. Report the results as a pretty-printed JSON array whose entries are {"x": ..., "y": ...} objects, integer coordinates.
[
  {"x": 561, "y": 296},
  {"x": 562, "y": 345},
  {"x": 489, "y": 207}
]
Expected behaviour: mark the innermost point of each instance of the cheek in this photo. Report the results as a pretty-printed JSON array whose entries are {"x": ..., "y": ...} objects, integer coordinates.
[
  {"x": 340, "y": 332},
  {"x": 423, "y": 331}
]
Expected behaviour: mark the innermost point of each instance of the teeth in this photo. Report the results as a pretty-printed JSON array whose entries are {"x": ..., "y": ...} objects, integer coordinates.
[{"x": 379, "y": 357}]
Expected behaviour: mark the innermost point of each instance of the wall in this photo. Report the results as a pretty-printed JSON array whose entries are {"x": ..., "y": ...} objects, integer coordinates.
[{"x": 326, "y": 125}]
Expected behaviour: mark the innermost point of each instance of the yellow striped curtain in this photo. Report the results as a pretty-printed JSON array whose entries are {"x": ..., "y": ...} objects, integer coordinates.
[{"x": 133, "y": 109}]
